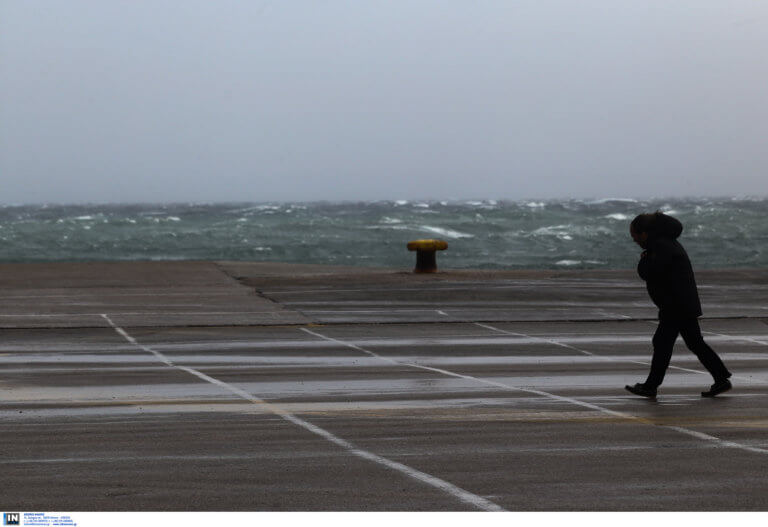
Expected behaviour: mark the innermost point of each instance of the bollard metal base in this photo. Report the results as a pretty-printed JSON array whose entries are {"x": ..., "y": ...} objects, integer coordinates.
[{"x": 426, "y": 262}]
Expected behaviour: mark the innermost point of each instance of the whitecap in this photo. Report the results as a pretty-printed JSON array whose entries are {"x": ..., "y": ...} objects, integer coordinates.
[
  {"x": 390, "y": 221},
  {"x": 606, "y": 200},
  {"x": 254, "y": 208},
  {"x": 488, "y": 205},
  {"x": 617, "y": 216},
  {"x": 448, "y": 233},
  {"x": 535, "y": 204},
  {"x": 173, "y": 218},
  {"x": 568, "y": 262},
  {"x": 389, "y": 227},
  {"x": 83, "y": 218},
  {"x": 241, "y": 220},
  {"x": 401, "y": 202},
  {"x": 552, "y": 230},
  {"x": 421, "y": 205}
]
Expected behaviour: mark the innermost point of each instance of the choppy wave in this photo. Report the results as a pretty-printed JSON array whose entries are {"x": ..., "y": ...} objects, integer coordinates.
[
  {"x": 617, "y": 216},
  {"x": 447, "y": 233},
  {"x": 553, "y": 234}
]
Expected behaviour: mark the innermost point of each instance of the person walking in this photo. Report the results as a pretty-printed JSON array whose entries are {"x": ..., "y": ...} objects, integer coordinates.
[{"x": 668, "y": 274}]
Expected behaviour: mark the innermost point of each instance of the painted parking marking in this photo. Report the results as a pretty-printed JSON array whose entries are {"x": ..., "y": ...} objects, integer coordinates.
[
  {"x": 156, "y": 294},
  {"x": 623, "y": 415},
  {"x": 294, "y": 455},
  {"x": 465, "y": 496},
  {"x": 726, "y": 338},
  {"x": 137, "y": 313},
  {"x": 501, "y": 338},
  {"x": 737, "y": 337},
  {"x": 557, "y": 342}
]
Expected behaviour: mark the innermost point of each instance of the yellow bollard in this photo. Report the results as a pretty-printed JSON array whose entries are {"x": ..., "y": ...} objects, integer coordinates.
[{"x": 426, "y": 262}]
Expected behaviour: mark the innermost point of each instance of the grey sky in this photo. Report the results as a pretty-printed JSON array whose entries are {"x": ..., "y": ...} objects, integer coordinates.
[{"x": 190, "y": 100}]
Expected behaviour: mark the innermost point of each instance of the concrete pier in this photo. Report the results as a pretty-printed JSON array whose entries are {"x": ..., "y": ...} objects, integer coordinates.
[{"x": 265, "y": 387}]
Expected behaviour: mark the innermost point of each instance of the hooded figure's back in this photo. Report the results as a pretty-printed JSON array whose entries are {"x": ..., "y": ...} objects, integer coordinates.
[
  {"x": 664, "y": 226},
  {"x": 668, "y": 272}
]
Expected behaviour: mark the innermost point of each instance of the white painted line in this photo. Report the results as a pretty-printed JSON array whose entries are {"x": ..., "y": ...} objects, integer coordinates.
[
  {"x": 133, "y": 341},
  {"x": 144, "y": 313},
  {"x": 255, "y": 457},
  {"x": 523, "y": 335},
  {"x": 557, "y": 342},
  {"x": 128, "y": 459},
  {"x": 727, "y": 338},
  {"x": 381, "y": 310},
  {"x": 615, "y": 315},
  {"x": 472, "y": 286},
  {"x": 385, "y": 342},
  {"x": 692, "y": 433},
  {"x": 100, "y": 361},
  {"x": 108, "y": 292},
  {"x": 746, "y": 339},
  {"x": 467, "y": 497},
  {"x": 470, "y": 304},
  {"x": 391, "y": 309},
  {"x": 458, "y": 340},
  {"x": 736, "y": 337}
]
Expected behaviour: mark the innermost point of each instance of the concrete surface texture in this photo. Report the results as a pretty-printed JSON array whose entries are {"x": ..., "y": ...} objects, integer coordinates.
[{"x": 253, "y": 387}]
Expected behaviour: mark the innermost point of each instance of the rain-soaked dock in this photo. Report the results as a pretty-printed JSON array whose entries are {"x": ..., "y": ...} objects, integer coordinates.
[{"x": 236, "y": 386}]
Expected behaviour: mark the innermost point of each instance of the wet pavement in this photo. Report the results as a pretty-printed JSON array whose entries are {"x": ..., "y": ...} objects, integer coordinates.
[{"x": 370, "y": 390}]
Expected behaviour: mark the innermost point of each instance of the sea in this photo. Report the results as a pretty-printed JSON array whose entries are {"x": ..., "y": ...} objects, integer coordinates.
[{"x": 481, "y": 234}]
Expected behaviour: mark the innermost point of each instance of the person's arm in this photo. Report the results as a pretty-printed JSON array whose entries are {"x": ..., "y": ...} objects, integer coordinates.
[
  {"x": 642, "y": 266},
  {"x": 655, "y": 264}
]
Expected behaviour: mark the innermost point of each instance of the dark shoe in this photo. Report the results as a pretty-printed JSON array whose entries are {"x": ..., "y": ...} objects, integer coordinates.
[
  {"x": 641, "y": 389},
  {"x": 718, "y": 387}
]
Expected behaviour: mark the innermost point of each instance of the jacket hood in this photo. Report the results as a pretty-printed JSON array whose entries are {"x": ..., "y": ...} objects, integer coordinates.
[{"x": 666, "y": 227}]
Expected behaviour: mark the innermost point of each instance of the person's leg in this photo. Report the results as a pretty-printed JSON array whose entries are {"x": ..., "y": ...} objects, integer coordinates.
[
  {"x": 691, "y": 333},
  {"x": 663, "y": 343}
]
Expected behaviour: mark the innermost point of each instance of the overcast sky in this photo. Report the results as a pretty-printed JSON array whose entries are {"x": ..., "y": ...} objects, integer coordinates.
[{"x": 189, "y": 100}]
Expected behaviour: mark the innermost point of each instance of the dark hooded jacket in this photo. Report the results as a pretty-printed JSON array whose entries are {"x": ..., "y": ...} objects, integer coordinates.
[{"x": 668, "y": 273}]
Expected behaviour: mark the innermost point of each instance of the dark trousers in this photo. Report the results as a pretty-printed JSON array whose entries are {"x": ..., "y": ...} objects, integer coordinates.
[{"x": 664, "y": 340}]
